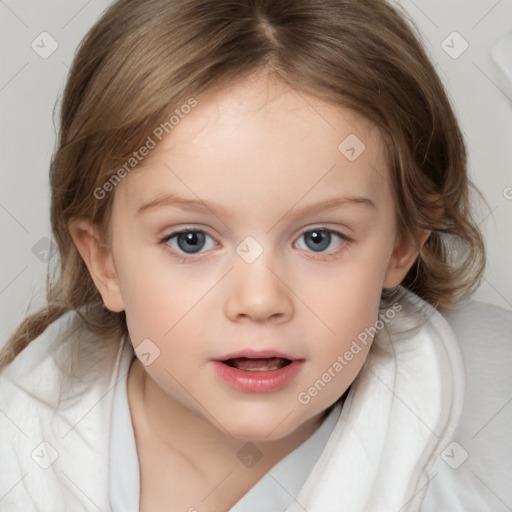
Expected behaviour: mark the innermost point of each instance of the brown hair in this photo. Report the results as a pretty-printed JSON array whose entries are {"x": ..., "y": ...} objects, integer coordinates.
[{"x": 145, "y": 58}]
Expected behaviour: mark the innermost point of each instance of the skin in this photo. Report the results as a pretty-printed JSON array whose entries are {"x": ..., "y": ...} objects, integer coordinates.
[{"x": 262, "y": 151}]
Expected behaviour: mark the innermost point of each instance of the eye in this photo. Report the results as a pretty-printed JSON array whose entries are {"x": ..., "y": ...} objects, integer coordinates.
[
  {"x": 189, "y": 241},
  {"x": 320, "y": 239}
]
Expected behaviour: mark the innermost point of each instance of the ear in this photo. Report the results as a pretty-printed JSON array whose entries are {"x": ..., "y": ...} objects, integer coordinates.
[
  {"x": 98, "y": 259},
  {"x": 403, "y": 257}
]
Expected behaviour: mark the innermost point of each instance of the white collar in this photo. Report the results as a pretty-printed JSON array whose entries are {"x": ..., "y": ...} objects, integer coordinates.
[{"x": 402, "y": 409}]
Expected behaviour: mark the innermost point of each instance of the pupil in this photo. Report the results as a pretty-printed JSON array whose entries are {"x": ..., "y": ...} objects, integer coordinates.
[
  {"x": 190, "y": 242},
  {"x": 320, "y": 240}
]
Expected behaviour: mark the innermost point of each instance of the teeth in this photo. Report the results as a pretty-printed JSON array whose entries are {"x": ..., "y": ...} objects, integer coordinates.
[
  {"x": 258, "y": 365},
  {"x": 263, "y": 368}
]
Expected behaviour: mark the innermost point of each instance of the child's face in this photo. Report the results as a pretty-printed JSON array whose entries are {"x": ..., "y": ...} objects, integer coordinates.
[{"x": 258, "y": 154}]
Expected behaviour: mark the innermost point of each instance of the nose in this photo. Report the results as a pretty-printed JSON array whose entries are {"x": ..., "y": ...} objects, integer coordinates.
[{"x": 258, "y": 292}]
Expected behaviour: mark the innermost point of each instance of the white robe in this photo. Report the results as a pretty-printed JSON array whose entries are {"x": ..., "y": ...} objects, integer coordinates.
[{"x": 396, "y": 431}]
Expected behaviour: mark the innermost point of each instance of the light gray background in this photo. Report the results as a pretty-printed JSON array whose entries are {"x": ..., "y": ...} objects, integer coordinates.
[{"x": 30, "y": 86}]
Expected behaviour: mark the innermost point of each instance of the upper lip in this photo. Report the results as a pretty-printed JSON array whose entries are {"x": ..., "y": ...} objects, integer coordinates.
[{"x": 256, "y": 354}]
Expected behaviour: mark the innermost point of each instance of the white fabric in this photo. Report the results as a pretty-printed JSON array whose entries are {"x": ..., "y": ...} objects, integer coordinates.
[
  {"x": 56, "y": 400},
  {"x": 403, "y": 406},
  {"x": 124, "y": 464},
  {"x": 279, "y": 488},
  {"x": 402, "y": 410}
]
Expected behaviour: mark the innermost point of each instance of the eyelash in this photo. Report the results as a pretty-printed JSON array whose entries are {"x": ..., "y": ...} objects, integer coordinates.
[{"x": 323, "y": 256}]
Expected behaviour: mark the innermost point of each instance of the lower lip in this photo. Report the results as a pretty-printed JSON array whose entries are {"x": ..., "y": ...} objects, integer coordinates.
[{"x": 257, "y": 381}]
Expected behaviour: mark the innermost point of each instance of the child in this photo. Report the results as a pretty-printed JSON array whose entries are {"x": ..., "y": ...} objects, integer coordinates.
[{"x": 292, "y": 358}]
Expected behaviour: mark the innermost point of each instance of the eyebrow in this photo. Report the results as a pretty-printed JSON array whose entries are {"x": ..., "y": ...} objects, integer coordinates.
[{"x": 197, "y": 205}]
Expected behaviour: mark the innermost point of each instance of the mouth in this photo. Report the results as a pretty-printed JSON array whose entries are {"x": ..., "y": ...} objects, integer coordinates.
[
  {"x": 257, "y": 372},
  {"x": 260, "y": 364}
]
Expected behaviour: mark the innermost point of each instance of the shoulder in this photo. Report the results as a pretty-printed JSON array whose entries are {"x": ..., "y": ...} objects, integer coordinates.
[
  {"x": 56, "y": 406},
  {"x": 66, "y": 355},
  {"x": 474, "y": 470}
]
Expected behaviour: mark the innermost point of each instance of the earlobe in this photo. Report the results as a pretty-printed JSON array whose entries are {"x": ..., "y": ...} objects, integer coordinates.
[
  {"x": 98, "y": 259},
  {"x": 403, "y": 257}
]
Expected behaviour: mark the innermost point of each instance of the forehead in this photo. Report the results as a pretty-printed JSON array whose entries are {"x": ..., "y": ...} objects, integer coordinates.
[
  {"x": 261, "y": 138},
  {"x": 262, "y": 109}
]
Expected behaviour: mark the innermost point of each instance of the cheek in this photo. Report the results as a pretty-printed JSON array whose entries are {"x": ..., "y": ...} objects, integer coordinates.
[
  {"x": 348, "y": 296},
  {"x": 346, "y": 302},
  {"x": 348, "y": 314},
  {"x": 149, "y": 294},
  {"x": 166, "y": 304}
]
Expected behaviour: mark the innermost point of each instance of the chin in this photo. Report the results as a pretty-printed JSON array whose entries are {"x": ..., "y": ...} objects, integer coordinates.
[{"x": 257, "y": 426}]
